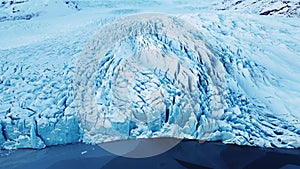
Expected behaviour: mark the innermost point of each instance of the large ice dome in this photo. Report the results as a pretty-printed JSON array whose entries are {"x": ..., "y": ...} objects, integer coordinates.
[{"x": 149, "y": 75}]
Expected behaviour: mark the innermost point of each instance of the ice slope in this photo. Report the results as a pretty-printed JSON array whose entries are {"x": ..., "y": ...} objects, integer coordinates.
[
  {"x": 261, "y": 87},
  {"x": 262, "y": 57}
]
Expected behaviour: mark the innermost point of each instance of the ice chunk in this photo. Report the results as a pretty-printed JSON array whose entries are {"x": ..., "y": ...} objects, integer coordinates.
[{"x": 58, "y": 131}]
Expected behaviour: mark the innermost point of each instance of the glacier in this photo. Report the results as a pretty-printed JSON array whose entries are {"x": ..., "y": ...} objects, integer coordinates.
[{"x": 197, "y": 73}]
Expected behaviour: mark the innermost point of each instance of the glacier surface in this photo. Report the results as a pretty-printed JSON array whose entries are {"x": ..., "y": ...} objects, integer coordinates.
[{"x": 196, "y": 73}]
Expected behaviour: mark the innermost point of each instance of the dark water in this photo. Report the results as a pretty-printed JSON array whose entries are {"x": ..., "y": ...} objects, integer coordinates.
[{"x": 187, "y": 154}]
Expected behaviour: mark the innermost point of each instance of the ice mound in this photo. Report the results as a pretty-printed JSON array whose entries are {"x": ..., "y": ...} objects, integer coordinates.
[{"x": 149, "y": 75}]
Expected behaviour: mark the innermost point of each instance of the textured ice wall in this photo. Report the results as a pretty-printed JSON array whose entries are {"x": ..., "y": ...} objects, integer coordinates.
[
  {"x": 156, "y": 76},
  {"x": 36, "y": 95}
]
